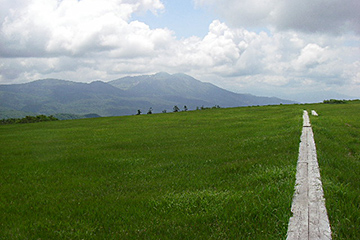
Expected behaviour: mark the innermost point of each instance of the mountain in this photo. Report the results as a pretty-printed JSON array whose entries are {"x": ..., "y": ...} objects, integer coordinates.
[
  {"x": 123, "y": 96},
  {"x": 52, "y": 96},
  {"x": 184, "y": 89}
]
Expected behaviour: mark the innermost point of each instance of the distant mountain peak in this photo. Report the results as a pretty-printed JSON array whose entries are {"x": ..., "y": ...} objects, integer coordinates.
[
  {"x": 50, "y": 81},
  {"x": 162, "y": 75},
  {"x": 168, "y": 75},
  {"x": 98, "y": 82},
  {"x": 122, "y": 96}
]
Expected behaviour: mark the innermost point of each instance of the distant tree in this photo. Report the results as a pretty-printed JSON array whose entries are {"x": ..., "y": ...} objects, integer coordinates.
[
  {"x": 29, "y": 119},
  {"x": 138, "y": 112},
  {"x": 185, "y": 108},
  {"x": 150, "y": 110},
  {"x": 164, "y": 111},
  {"x": 176, "y": 108},
  {"x": 52, "y": 118},
  {"x": 9, "y": 121},
  {"x": 334, "y": 101},
  {"x": 204, "y": 108}
]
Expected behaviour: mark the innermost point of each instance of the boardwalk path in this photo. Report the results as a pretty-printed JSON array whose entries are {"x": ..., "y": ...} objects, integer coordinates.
[{"x": 309, "y": 220}]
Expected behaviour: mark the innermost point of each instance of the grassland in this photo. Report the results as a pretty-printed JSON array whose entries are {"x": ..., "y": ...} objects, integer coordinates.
[
  {"x": 213, "y": 174},
  {"x": 337, "y": 137}
]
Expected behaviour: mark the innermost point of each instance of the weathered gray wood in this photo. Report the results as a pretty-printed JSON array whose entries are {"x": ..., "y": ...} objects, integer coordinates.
[{"x": 309, "y": 220}]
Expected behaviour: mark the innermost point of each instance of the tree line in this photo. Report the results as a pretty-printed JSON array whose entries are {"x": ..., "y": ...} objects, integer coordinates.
[
  {"x": 29, "y": 119},
  {"x": 177, "y": 109},
  {"x": 334, "y": 101}
]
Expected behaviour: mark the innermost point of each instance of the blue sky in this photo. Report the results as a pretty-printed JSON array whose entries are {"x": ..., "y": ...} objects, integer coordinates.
[
  {"x": 181, "y": 16},
  {"x": 290, "y": 49}
]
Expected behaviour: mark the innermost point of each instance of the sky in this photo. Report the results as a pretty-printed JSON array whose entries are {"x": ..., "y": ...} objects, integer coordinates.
[{"x": 305, "y": 50}]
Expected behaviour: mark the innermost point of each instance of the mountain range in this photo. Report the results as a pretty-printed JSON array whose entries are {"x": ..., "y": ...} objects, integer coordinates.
[{"x": 123, "y": 96}]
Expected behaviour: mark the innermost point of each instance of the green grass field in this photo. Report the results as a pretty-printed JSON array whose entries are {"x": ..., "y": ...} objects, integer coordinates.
[
  {"x": 211, "y": 174},
  {"x": 337, "y": 137}
]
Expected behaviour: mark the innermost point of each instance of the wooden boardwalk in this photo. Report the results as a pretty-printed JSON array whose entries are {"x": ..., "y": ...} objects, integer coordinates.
[{"x": 310, "y": 219}]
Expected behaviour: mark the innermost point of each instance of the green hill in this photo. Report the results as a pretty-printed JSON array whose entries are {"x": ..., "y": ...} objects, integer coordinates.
[
  {"x": 119, "y": 97},
  {"x": 53, "y": 96},
  {"x": 210, "y": 174}
]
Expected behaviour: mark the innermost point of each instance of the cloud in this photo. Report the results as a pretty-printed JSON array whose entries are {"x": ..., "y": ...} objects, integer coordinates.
[
  {"x": 278, "y": 61},
  {"x": 50, "y": 28},
  {"x": 93, "y": 39},
  {"x": 335, "y": 16},
  {"x": 311, "y": 56}
]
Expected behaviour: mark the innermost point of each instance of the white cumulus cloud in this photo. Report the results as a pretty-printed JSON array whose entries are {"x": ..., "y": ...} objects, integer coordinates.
[
  {"x": 331, "y": 16},
  {"x": 267, "y": 47},
  {"x": 70, "y": 27}
]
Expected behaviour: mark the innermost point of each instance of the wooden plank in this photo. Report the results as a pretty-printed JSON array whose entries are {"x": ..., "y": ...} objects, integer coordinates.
[{"x": 309, "y": 220}]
